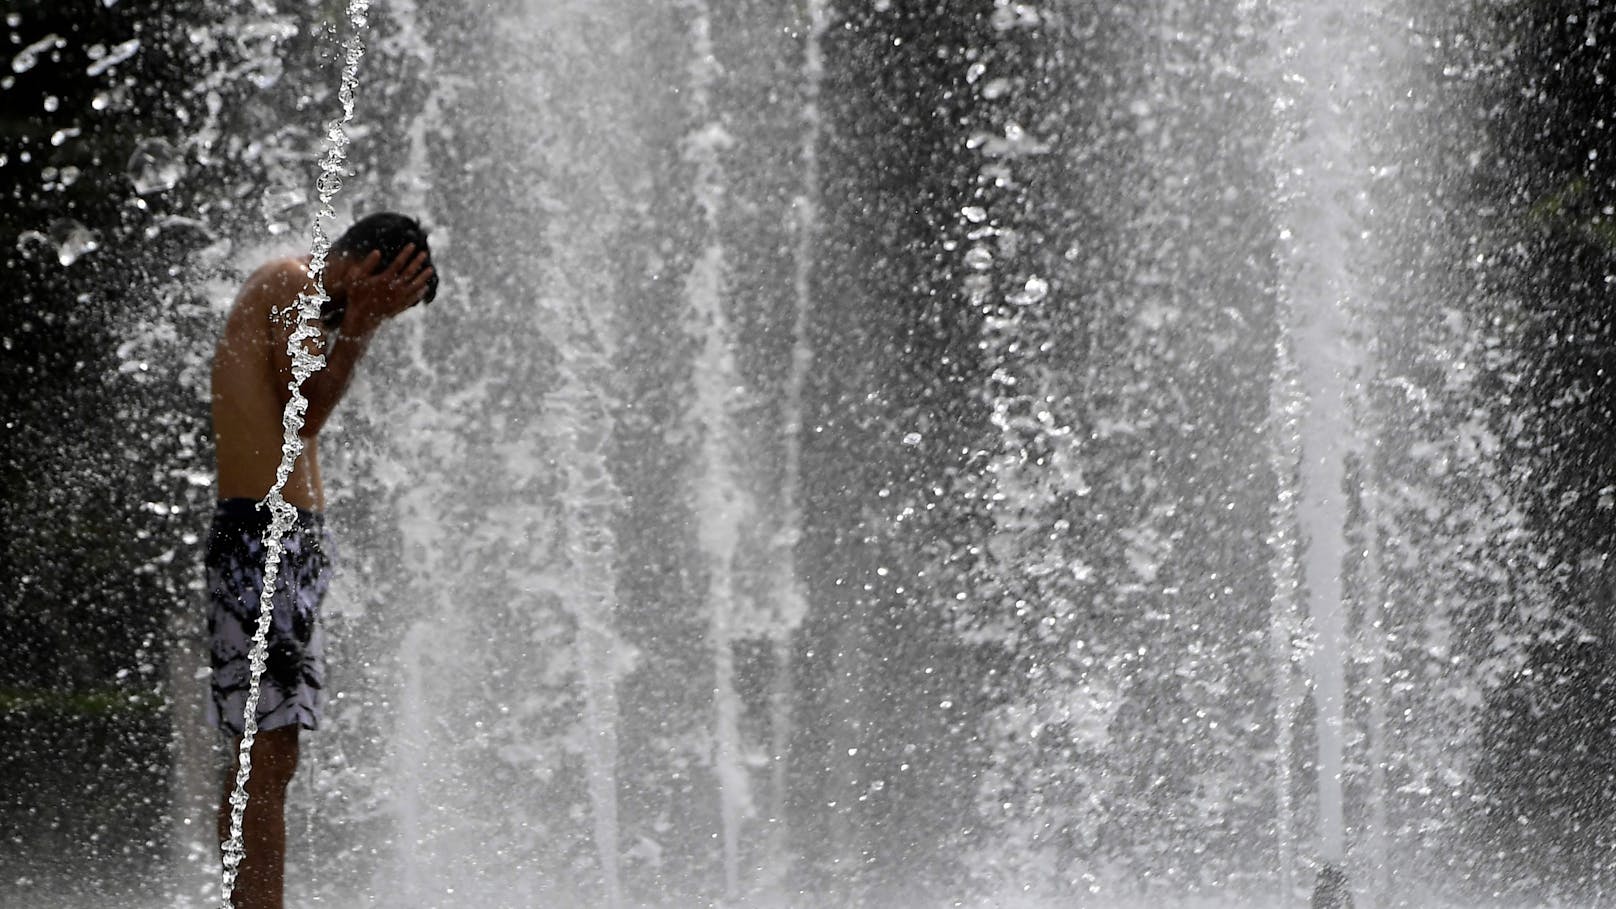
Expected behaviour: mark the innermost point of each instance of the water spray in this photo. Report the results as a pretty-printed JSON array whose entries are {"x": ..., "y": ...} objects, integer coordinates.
[
  {"x": 1322, "y": 294},
  {"x": 304, "y": 364},
  {"x": 792, "y": 602}
]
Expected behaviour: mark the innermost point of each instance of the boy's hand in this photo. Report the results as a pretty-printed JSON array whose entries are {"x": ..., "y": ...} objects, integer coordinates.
[{"x": 376, "y": 296}]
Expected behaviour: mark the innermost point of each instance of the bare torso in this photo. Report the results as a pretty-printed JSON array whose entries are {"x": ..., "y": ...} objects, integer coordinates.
[{"x": 251, "y": 372}]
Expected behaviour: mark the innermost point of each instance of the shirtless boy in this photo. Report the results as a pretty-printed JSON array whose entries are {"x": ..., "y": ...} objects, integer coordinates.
[{"x": 377, "y": 269}]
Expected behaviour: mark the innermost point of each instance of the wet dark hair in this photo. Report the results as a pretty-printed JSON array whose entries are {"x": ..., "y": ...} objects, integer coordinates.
[{"x": 386, "y": 232}]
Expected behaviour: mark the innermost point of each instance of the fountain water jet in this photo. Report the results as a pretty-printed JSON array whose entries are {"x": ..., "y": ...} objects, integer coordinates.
[
  {"x": 590, "y": 500},
  {"x": 1286, "y": 624},
  {"x": 304, "y": 364},
  {"x": 791, "y": 600},
  {"x": 719, "y": 504},
  {"x": 1324, "y": 203},
  {"x": 1374, "y": 594}
]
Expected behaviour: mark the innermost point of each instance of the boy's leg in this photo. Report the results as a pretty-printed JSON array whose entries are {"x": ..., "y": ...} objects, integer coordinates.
[{"x": 259, "y": 881}]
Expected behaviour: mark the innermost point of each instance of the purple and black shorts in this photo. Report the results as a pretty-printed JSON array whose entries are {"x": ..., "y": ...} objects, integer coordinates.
[{"x": 291, "y": 690}]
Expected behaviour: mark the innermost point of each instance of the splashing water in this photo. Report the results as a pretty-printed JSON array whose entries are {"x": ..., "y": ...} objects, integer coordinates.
[
  {"x": 27, "y": 58},
  {"x": 1285, "y": 622},
  {"x": 72, "y": 240},
  {"x": 304, "y": 364},
  {"x": 619, "y": 668},
  {"x": 105, "y": 59},
  {"x": 155, "y": 166}
]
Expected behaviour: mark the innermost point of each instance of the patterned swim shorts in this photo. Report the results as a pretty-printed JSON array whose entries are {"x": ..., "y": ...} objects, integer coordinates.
[{"x": 291, "y": 688}]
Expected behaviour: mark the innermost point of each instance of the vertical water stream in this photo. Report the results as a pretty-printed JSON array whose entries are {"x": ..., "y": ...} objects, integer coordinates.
[
  {"x": 1286, "y": 622},
  {"x": 1319, "y": 293},
  {"x": 718, "y": 497},
  {"x": 1327, "y": 54},
  {"x": 791, "y": 600}
]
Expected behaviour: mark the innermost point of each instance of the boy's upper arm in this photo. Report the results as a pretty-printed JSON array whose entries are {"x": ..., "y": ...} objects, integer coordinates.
[{"x": 278, "y": 288}]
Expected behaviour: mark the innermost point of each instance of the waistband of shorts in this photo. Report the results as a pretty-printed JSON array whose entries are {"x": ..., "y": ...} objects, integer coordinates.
[{"x": 246, "y": 511}]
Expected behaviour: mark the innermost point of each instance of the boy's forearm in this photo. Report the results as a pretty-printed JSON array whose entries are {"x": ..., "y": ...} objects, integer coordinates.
[{"x": 326, "y": 387}]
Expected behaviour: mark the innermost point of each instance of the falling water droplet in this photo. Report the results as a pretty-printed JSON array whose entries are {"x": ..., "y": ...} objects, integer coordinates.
[
  {"x": 180, "y": 225},
  {"x": 267, "y": 72},
  {"x": 73, "y": 240},
  {"x": 108, "y": 99},
  {"x": 117, "y": 55},
  {"x": 27, "y": 58},
  {"x": 156, "y": 166},
  {"x": 328, "y": 183},
  {"x": 30, "y": 240},
  {"x": 1034, "y": 291}
]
